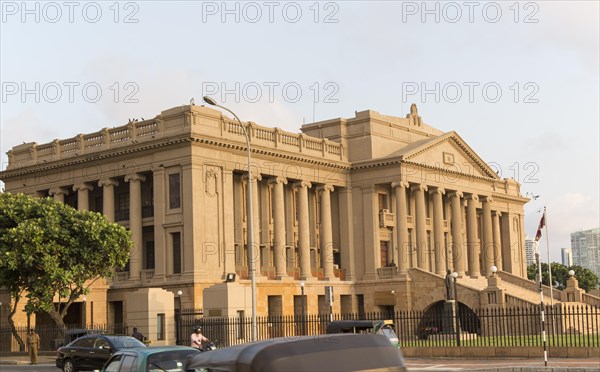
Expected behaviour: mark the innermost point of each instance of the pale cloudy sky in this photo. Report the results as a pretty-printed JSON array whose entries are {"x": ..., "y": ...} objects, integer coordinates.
[{"x": 519, "y": 81}]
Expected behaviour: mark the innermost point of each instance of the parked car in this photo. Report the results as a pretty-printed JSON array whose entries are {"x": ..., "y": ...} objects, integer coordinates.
[
  {"x": 75, "y": 333},
  {"x": 92, "y": 351},
  {"x": 380, "y": 327},
  {"x": 150, "y": 359},
  {"x": 335, "y": 352}
]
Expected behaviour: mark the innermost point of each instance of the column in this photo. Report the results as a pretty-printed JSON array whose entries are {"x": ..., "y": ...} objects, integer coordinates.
[
  {"x": 255, "y": 225},
  {"x": 303, "y": 229},
  {"x": 459, "y": 254},
  {"x": 108, "y": 197},
  {"x": 472, "y": 242},
  {"x": 228, "y": 222},
  {"x": 279, "y": 236},
  {"x": 419, "y": 194},
  {"x": 160, "y": 203},
  {"x": 487, "y": 247},
  {"x": 326, "y": 232},
  {"x": 83, "y": 196},
  {"x": 496, "y": 236},
  {"x": 135, "y": 223},
  {"x": 58, "y": 193},
  {"x": 401, "y": 225},
  {"x": 438, "y": 231},
  {"x": 348, "y": 259}
]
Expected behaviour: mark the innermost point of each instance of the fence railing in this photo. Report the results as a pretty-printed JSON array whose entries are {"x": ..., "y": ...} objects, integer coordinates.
[
  {"x": 50, "y": 335},
  {"x": 515, "y": 326}
]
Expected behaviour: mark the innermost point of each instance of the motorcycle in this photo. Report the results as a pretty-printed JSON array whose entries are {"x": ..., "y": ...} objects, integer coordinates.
[{"x": 207, "y": 346}]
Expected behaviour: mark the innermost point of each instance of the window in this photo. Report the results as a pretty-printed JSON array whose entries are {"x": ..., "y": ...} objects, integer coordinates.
[
  {"x": 176, "y": 244},
  {"x": 382, "y": 201},
  {"x": 174, "y": 191},
  {"x": 149, "y": 256},
  {"x": 114, "y": 364},
  {"x": 128, "y": 364},
  {"x": 384, "y": 249},
  {"x": 160, "y": 326}
]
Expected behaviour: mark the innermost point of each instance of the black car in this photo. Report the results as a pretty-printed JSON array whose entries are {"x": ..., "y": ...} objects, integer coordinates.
[{"x": 92, "y": 351}]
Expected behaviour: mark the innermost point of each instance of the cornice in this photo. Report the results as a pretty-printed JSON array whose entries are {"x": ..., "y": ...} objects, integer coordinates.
[{"x": 60, "y": 163}]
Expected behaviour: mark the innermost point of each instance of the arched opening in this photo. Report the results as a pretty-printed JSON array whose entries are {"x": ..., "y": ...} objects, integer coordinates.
[{"x": 436, "y": 320}]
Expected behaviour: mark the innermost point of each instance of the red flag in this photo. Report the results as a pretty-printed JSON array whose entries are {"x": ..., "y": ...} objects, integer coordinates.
[{"x": 538, "y": 235}]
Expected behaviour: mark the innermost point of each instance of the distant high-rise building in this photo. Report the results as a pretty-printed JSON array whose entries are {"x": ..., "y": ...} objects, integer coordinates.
[
  {"x": 531, "y": 248},
  {"x": 567, "y": 256},
  {"x": 586, "y": 249}
]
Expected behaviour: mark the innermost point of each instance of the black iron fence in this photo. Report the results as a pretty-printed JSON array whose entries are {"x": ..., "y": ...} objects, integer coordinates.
[
  {"x": 50, "y": 338},
  {"x": 564, "y": 326}
]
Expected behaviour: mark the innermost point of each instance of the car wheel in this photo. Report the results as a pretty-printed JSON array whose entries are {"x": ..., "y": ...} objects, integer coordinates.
[{"x": 68, "y": 366}]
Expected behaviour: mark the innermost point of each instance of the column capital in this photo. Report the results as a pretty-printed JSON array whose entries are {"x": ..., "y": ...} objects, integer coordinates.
[
  {"x": 278, "y": 179},
  {"x": 301, "y": 184},
  {"x": 255, "y": 177},
  {"x": 418, "y": 187},
  {"x": 496, "y": 213},
  {"x": 325, "y": 188},
  {"x": 403, "y": 184},
  {"x": 473, "y": 197},
  {"x": 108, "y": 182},
  {"x": 437, "y": 190},
  {"x": 83, "y": 186},
  {"x": 136, "y": 177},
  {"x": 454, "y": 193},
  {"x": 487, "y": 199},
  {"x": 58, "y": 191}
]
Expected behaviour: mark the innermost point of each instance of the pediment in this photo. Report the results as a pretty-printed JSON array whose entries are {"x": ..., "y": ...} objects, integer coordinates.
[{"x": 448, "y": 151}]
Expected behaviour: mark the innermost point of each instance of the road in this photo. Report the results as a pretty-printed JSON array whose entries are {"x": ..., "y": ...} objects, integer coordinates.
[{"x": 425, "y": 364}]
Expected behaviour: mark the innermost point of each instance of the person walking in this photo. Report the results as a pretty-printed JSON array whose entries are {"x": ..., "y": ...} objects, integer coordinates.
[
  {"x": 33, "y": 343},
  {"x": 138, "y": 335},
  {"x": 196, "y": 339}
]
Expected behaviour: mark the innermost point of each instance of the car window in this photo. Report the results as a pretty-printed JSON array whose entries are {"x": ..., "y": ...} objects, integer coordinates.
[
  {"x": 128, "y": 364},
  {"x": 172, "y": 360},
  {"x": 101, "y": 343},
  {"x": 113, "y": 364},
  {"x": 87, "y": 342},
  {"x": 126, "y": 342}
]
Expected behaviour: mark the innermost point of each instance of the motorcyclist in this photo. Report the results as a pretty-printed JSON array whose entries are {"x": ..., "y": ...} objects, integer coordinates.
[{"x": 196, "y": 338}]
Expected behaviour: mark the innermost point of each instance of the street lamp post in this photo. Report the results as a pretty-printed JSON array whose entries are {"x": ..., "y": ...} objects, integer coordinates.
[
  {"x": 456, "y": 315},
  {"x": 302, "y": 298},
  {"x": 250, "y": 239}
]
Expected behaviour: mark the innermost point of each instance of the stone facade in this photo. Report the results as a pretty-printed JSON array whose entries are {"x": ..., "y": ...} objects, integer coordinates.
[{"x": 379, "y": 207}]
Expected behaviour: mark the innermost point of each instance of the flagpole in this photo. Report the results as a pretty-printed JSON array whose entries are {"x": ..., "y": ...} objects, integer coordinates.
[{"x": 548, "y": 252}]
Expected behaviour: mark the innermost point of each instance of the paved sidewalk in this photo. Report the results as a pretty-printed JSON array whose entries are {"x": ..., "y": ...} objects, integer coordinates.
[{"x": 22, "y": 358}]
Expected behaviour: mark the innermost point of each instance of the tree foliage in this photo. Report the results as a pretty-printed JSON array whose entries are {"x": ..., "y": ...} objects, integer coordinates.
[
  {"x": 54, "y": 252},
  {"x": 560, "y": 273}
]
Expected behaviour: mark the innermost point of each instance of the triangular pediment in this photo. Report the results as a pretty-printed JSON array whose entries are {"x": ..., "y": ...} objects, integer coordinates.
[{"x": 448, "y": 151}]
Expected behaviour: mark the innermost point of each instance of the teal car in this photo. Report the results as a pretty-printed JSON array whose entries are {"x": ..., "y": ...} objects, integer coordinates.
[
  {"x": 151, "y": 359},
  {"x": 378, "y": 327}
]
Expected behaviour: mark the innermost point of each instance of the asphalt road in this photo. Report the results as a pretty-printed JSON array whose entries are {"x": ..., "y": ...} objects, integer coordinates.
[{"x": 428, "y": 364}]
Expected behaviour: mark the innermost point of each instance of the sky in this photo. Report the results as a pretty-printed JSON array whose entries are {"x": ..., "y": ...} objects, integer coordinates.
[{"x": 519, "y": 81}]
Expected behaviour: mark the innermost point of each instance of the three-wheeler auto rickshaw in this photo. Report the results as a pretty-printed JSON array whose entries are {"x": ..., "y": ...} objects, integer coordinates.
[
  {"x": 379, "y": 327},
  {"x": 321, "y": 353}
]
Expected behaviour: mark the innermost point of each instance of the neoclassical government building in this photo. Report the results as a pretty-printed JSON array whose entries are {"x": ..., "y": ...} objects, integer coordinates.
[{"x": 377, "y": 207}]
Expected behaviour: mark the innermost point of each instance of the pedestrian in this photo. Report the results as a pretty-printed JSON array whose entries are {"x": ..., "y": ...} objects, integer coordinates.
[
  {"x": 33, "y": 343},
  {"x": 196, "y": 339},
  {"x": 138, "y": 335}
]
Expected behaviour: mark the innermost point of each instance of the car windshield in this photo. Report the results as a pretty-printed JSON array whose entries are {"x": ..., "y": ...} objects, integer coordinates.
[
  {"x": 172, "y": 360},
  {"x": 126, "y": 342}
]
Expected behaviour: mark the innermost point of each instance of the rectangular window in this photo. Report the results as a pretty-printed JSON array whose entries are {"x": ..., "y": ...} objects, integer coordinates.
[
  {"x": 176, "y": 244},
  {"x": 383, "y": 248},
  {"x": 149, "y": 256},
  {"x": 240, "y": 324},
  {"x": 160, "y": 326},
  {"x": 382, "y": 201},
  {"x": 174, "y": 191}
]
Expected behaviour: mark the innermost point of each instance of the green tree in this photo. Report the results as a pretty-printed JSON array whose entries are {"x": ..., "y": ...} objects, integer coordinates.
[
  {"x": 560, "y": 273},
  {"x": 54, "y": 253}
]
